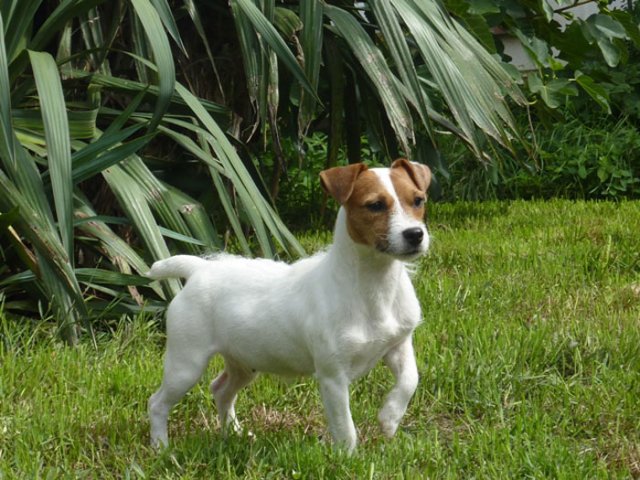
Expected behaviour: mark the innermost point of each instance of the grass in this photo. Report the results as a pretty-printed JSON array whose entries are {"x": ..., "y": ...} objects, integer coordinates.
[{"x": 529, "y": 358}]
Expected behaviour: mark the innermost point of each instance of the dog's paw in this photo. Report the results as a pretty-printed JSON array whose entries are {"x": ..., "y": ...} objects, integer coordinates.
[
  {"x": 388, "y": 422},
  {"x": 159, "y": 443}
]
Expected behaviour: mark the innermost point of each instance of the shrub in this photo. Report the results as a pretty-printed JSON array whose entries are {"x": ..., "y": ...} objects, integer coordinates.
[{"x": 596, "y": 159}]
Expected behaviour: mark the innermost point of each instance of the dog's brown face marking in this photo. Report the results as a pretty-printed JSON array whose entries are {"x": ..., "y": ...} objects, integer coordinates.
[
  {"x": 410, "y": 182},
  {"x": 382, "y": 204},
  {"x": 368, "y": 211}
]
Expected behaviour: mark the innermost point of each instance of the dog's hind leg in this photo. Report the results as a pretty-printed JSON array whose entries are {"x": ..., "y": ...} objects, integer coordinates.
[
  {"x": 225, "y": 389},
  {"x": 183, "y": 367},
  {"x": 402, "y": 363}
]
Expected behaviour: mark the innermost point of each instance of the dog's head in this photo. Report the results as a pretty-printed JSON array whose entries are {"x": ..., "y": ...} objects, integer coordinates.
[{"x": 384, "y": 206}]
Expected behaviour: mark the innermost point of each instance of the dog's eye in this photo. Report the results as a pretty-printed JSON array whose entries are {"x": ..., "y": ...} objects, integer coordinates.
[
  {"x": 378, "y": 206},
  {"x": 418, "y": 202}
]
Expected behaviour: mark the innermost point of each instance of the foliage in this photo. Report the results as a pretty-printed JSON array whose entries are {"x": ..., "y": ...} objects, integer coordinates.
[
  {"x": 528, "y": 359},
  {"x": 302, "y": 203},
  {"x": 570, "y": 159},
  {"x": 568, "y": 52},
  {"x": 126, "y": 127},
  {"x": 573, "y": 148}
]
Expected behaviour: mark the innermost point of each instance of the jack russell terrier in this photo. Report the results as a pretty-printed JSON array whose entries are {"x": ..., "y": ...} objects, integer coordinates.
[{"x": 333, "y": 315}]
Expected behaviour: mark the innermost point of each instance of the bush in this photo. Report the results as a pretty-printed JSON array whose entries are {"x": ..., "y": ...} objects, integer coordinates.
[{"x": 596, "y": 159}]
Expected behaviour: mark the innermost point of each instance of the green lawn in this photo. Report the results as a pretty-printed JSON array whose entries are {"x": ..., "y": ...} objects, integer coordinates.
[{"x": 529, "y": 357}]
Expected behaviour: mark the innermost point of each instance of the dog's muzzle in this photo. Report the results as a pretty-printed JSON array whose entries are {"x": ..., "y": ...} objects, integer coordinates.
[{"x": 413, "y": 236}]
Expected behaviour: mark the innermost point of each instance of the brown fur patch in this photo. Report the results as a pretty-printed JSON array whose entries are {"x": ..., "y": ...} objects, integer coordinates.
[
  {"x": 364, "y": 225},
  {"x": 419, "y": 174},
  {"x": 408, "y": 192},
  {"x": 339, "y": 181}
]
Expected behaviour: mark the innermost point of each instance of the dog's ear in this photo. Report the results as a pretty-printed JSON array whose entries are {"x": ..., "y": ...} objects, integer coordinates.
[
  {"x": 339, "y": 181},
  {"x": 420, "y": 174}
]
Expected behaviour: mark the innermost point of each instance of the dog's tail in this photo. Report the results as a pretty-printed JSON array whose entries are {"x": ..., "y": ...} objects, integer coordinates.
[{"x": 181, "y": 266}]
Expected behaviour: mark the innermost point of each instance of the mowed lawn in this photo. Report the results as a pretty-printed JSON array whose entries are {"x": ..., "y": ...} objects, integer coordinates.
[{"x": 529, "y": 357}]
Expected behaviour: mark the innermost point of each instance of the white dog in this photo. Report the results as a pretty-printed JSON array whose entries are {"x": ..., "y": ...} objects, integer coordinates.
[{"x": 333, "y": 315}]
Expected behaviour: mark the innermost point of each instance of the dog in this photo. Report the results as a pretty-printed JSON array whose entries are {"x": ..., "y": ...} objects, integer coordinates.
[{"x": 333, "y": 315}]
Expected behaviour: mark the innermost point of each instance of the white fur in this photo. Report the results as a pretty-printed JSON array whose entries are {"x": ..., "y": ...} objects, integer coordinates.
[{"x": 333, "y": 315}]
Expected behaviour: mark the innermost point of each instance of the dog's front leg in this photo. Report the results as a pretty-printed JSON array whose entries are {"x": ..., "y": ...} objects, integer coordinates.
[
  {"x": 402, "y": 363},
  {"x": 334, "y": 391}
]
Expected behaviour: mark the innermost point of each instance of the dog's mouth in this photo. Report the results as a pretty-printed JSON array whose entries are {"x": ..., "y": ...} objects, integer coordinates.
[
  {"x": 405, "y": 255},
  {"x": 410, "y": 255}
]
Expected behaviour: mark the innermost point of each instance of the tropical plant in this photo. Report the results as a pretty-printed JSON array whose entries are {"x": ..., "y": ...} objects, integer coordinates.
[
  {"x": 108, "y": 160},
  {"x": 567, "y": 51}
]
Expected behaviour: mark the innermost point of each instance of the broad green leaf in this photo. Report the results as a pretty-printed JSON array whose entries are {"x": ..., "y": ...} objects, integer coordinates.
[
  {"x": 88, "y": 168},
  {"x": 440, "y": 63},
  {"x": 287, "y": 22},
  {"x": 93, "y": 39},
  {"x": 251, "y": 51},
  {"x": 159, "y": 45},
  {"x": 54, "y": 23},
  {"x": 482, "y": 7},
  {"x": 85, "y": 275},
  {"x": 610, "y": 51},
  {"x": 133, "y": 201},
  {"x": 160, "y": 199},
  {"x": 311, "y": 39},
  {"x": 595, "y": 91},
  {"x": 275, "y": 41},
  {"x": 166, "y": 16},
  {"x": 106, "y": 141},
  {"x": 547, "y": 9},
  {"x": 227, "y": 204},
  {"x": 81, "y": 123},
  {"x": 198, "y": 220},
  {"x": 109, "y": 277},
  {"x": 629, "y": 25},
  {"x": 17, "y": 23},
  {"x": 373, "y": 63},
  {"x": 552, "y": 93},
  {"x": 194, "y": 13},
  {"x": 537, "y": 49},
  {"x": 56, "y": 277},
  {"x": 608, "y": 26},
  {"x": 7, "y": 138},
  {"x": 453, "y": 56},
  {"x": 336, "y": 69},
  {"x": 258, "y": 211},
  {"x": 404, "y": 63},
  {"x": 117, "y": 250},
  {"x": 124, "y": 85},
  {"x": 56, "y": 130}
]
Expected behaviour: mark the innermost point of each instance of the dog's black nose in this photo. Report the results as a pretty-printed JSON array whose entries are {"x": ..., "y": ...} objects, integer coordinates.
[{"x": 413, "y": 235}]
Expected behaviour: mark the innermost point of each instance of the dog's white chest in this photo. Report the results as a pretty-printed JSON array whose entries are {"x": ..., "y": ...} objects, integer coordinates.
[{"x": 367, "y": 342}]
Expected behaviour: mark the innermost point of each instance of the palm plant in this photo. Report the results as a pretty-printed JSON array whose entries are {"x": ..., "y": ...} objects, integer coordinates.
[{"x": 97, "y": 132}]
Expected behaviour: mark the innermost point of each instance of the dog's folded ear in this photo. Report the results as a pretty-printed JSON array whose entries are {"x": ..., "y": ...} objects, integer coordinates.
[
  {"x": 420, "y": 174},
  {"x": 339, "y": 181}
]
